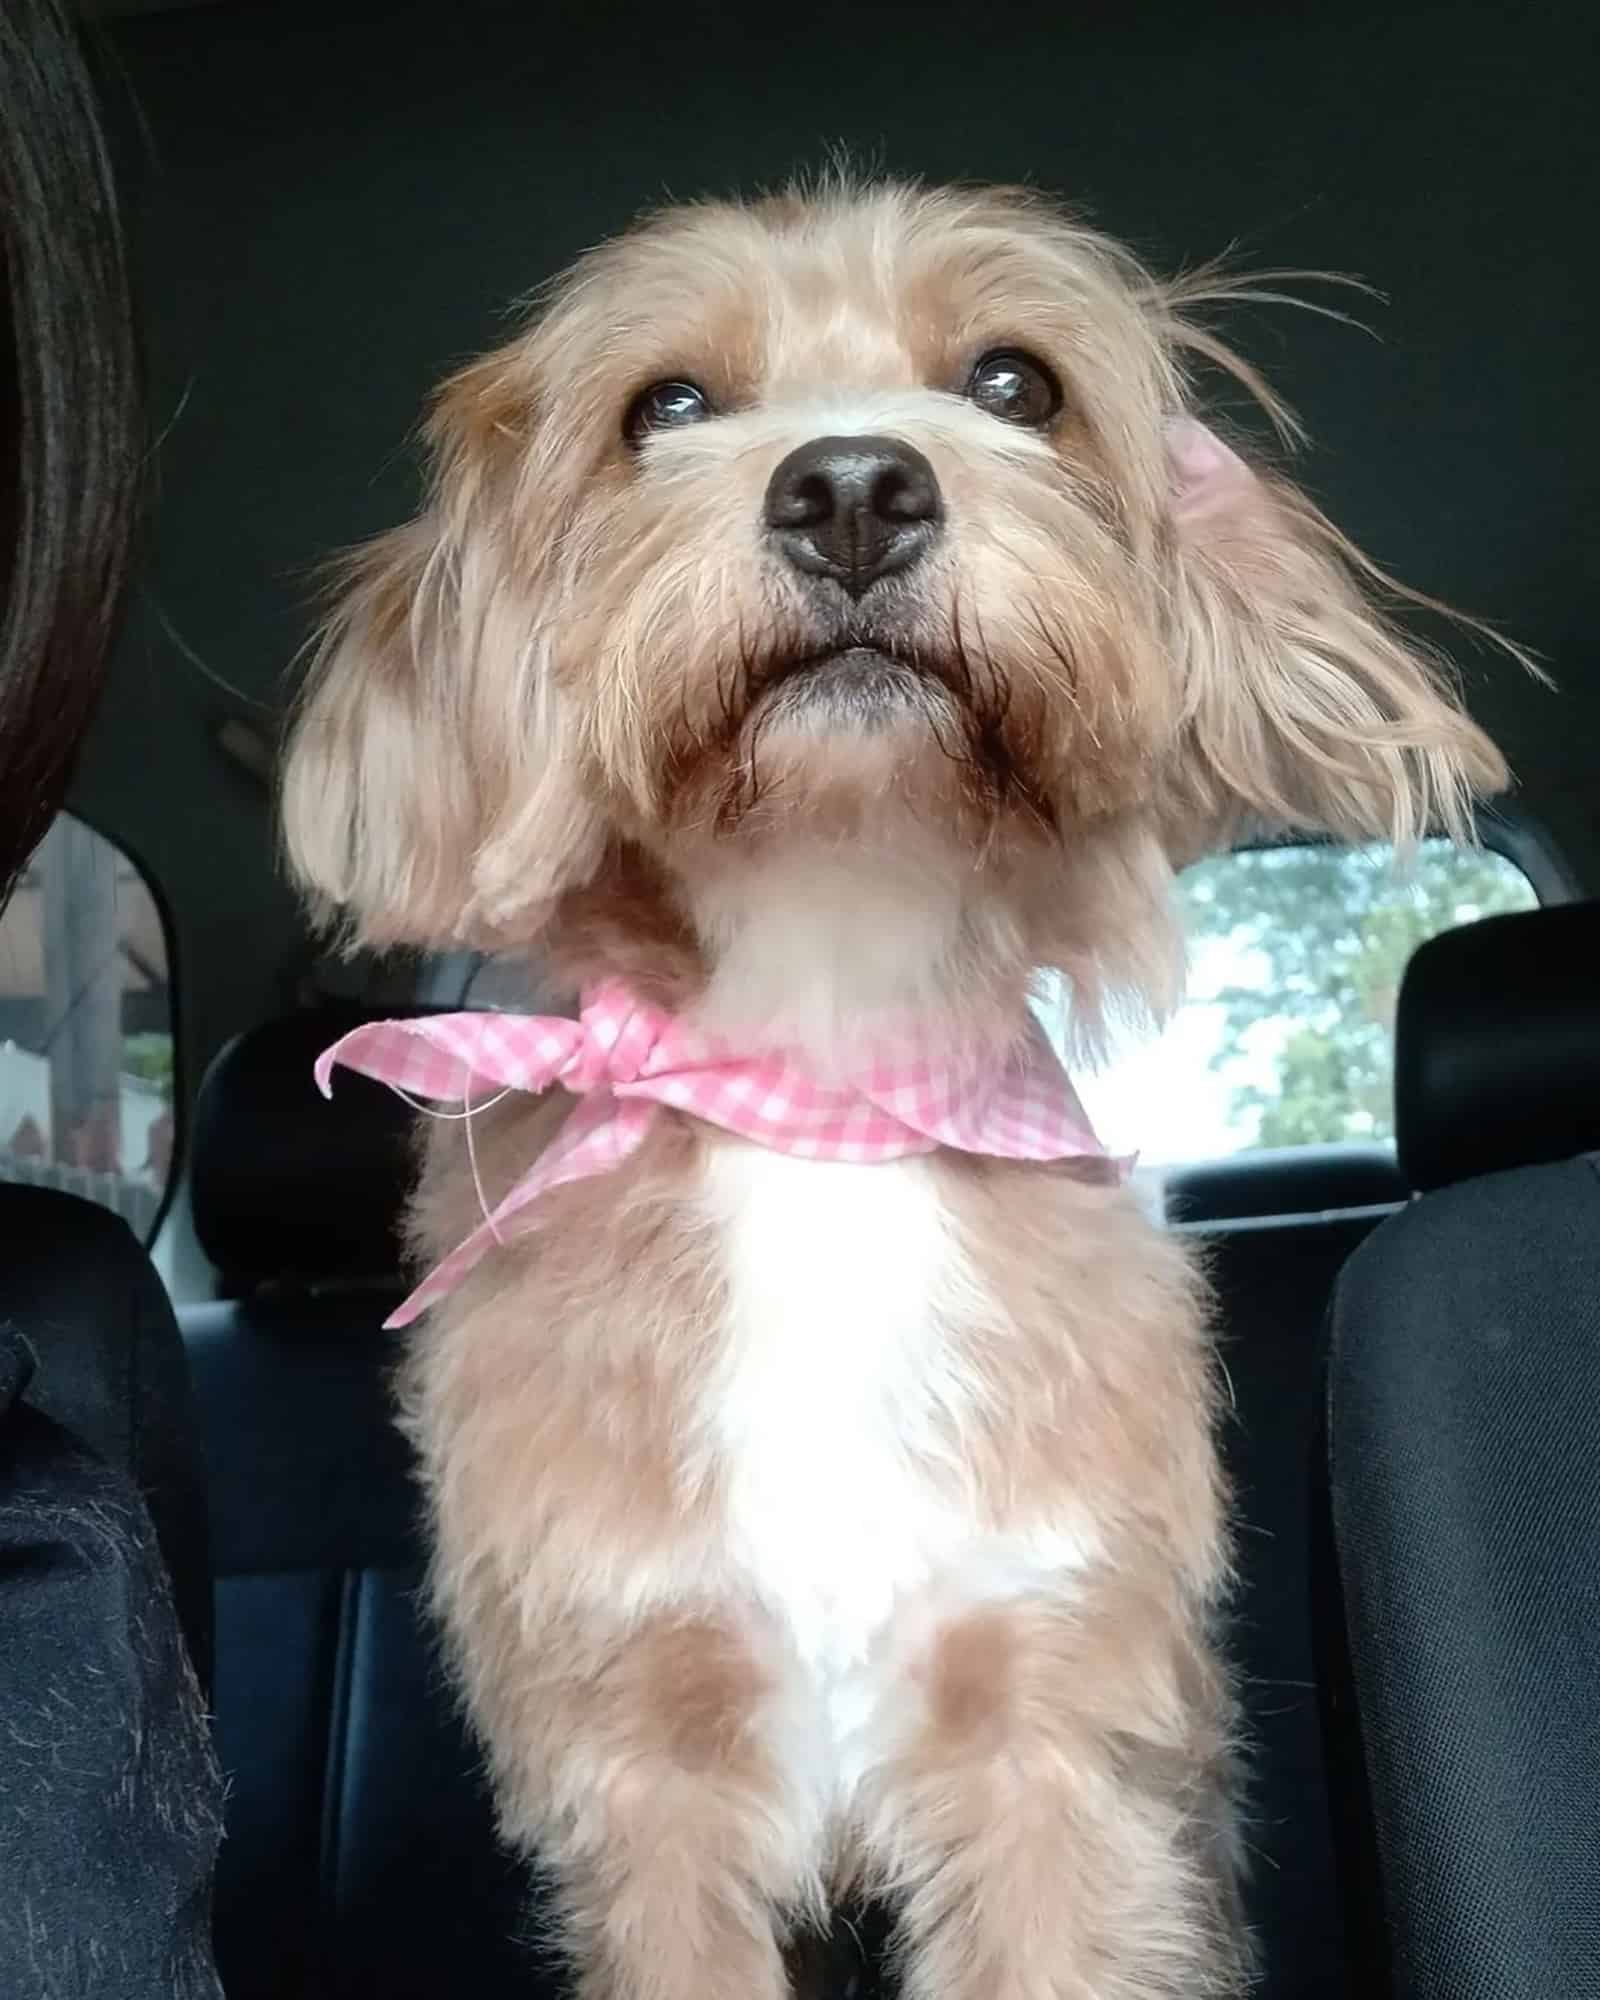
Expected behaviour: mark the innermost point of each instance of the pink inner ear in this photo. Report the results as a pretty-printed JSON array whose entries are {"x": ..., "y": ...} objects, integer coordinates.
[{"x": 1208, "y": 479}]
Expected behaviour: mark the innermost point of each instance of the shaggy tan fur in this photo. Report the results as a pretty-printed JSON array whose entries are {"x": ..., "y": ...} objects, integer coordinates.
[{"x": 551, "y": 713}]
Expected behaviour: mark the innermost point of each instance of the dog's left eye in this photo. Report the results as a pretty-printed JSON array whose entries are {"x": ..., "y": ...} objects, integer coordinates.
[
  {"x": 665, "y": 406},
  {"x": 1015, "y": 387}
]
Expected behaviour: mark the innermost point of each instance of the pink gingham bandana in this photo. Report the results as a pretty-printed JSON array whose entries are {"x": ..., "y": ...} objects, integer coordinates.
[{"x": 626, "y": 1059}]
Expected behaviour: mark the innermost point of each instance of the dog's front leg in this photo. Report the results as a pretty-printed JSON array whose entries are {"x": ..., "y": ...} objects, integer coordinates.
[
  {"x": 1051, "y": 1812},
  {"x": 645, "y": 1769}
]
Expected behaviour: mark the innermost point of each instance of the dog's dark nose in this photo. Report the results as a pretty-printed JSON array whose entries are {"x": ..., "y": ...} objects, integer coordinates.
[{"x": 854, "y": 508}]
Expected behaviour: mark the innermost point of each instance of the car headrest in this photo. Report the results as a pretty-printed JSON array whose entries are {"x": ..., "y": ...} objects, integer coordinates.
[
  {"x": 1497, "y": 1047},
  {"x": 287, "y": 1186},
  {"x": 1282, "y": 1181}
]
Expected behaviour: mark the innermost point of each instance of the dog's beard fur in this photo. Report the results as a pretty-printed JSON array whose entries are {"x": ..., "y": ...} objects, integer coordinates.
[
  {"x": 942, "y": 721},
  {"x": 587, "y": 666}
]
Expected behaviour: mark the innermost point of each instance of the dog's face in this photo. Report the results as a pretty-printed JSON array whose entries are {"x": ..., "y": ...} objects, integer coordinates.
[{"x": 882, "y": 518}]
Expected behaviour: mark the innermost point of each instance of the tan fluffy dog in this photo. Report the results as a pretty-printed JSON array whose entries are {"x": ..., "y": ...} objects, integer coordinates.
[{"x": 832, "y": 610}]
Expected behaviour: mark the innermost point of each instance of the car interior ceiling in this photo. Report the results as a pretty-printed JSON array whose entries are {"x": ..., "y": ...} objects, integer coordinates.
[{"x": 332, "y": 204}]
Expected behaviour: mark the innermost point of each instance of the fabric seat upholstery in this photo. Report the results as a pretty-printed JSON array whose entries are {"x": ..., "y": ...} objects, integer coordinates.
[
  {"x": 110, "y": 1370},
  {"x": 360, "y": 1856},
  {"x": 109, "y": 1800},
  {"x": 1462, "y": 1486}
]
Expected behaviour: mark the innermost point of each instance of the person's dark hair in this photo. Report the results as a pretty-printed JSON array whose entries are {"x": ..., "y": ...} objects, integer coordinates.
[{"x": 70, "y": 435}]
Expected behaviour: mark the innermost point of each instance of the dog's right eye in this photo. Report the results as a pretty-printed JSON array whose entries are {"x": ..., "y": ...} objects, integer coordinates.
[
  {"x": 1016, "y": 388},
  {"x": 665, "y": 406}
]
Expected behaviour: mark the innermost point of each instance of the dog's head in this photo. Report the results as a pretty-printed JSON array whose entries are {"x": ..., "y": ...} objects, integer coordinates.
[{"x": 878, "y": 524}]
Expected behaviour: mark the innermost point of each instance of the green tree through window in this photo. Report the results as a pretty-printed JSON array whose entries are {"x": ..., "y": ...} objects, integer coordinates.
[{"x": 1329, "y": 931}]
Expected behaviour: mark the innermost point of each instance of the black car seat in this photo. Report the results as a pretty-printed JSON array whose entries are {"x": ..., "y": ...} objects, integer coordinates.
[
  {"x": 1276, "y": 1228},
  {"x": 110, "y": 1804},
  {"x": 360, "y": 1857},
  {"x": 1462, "y": 1494},
  {"x": 108, "y": 1367}
]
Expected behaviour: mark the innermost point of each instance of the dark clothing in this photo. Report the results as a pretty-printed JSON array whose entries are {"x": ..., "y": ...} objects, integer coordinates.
[
  {"x": 110, "y": 1795},
  {"x": 109, "y": 1367}
]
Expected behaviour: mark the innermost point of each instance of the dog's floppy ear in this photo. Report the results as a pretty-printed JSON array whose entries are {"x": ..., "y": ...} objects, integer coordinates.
[
  {"x": 429, "y": 739},
  {"x": 1305, "y": 707},
  {"x": 376, "y": 807}
]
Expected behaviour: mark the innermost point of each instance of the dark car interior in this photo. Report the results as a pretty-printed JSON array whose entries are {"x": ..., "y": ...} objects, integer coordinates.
[{"x": 334, "y": 203}]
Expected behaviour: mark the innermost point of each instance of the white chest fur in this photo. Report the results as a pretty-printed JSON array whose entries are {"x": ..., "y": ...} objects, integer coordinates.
[{"x": 841, "y": 1390}]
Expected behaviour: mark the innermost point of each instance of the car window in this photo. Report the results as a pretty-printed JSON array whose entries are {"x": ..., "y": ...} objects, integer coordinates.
[
  {"x": 86, "y": 1044},
  {"x": 1286, "y": 1036}
]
